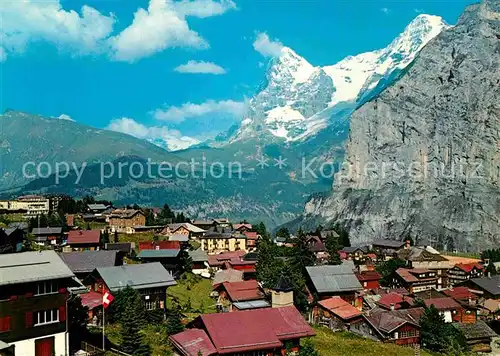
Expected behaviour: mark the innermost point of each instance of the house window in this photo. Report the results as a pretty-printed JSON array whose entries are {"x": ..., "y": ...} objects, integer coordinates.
[
  {"x": 4, "y": 324},
  {"x": 365, "y": 284},
  {"x": 150, "y": 305},
  {"x": 408, "y": 333},
  {"x": 48, "y": 287},
  {"x": 46, "y": 317}
]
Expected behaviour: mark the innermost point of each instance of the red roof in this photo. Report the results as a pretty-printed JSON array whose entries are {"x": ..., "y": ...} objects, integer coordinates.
[
  {"x": 460, "y": 293},
  {"x": 239, "y": 226},
  {"x": 76, "y": 237},
  {"x": 366, "y": 276},
  {"x": 242, "y": 291},
  {"x": 253, "y": 330},
  {"x": 252, "y": 235},
  {"x": 340, "y": 307},
  {"x": 162, "y": 245},
  {"x": 396, "y": 299},
  {"x": 219, "y": 259},
  {"x": 193, "y": 341},
  {"x": 467, "y": 267},
  {"x": 91, "y": 300},
  {"x": 442, "y": 303}
]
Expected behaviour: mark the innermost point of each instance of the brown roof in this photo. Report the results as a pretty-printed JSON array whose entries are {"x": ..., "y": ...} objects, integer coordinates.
[
  {"x": 460, "y": 293},
  {"x": 368, "y": 276},
  {"x": 243, "y": 291},
  {"x": 418, "y": 254},
  {"x": 442, "y": 303},
  {"x": 408, "y": 275},
  {"x": 76, "y": 237},
  {"x": 193, "y": 341},
  {"x": 386, "y": 321},
  {"x": 395, "y": 299},
  {"x": 125, "y": 213},
  {"x": 340, "y": 307}
]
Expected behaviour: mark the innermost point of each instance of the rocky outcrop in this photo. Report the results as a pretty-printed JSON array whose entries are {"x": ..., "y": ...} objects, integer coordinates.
[{"x": 423, "y": 158}]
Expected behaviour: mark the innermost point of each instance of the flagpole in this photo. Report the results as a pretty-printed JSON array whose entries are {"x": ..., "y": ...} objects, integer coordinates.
[{"x": 103, "y": 322}]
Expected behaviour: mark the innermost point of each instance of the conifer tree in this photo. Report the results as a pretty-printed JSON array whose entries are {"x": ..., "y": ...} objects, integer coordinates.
[
  {"x": 132, "y": 339},
  {"x": 332, "y": 247},
  {"x": 174, "y": 323}
]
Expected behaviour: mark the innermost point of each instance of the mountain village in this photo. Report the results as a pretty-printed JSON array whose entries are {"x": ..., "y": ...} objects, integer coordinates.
[{"x": 82, "y": 277}]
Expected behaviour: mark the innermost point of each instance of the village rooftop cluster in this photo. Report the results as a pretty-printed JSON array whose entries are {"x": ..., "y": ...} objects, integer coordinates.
[{"x": 269, "y": 294}]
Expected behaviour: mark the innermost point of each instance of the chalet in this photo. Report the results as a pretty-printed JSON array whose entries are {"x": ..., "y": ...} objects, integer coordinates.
[
  {"x": 189, "y": 230},
  {"x": 355, "y": 253},
  {"x": 447, "y": 307},
  {"x": 489, "y": 309},
  {"x": 234, "y": 296},
  {"x": 170, "y": 259},
  {"x": 159, "y": 245},
  {"x": 464, "y": 271},
  {"x": 335, "y": 313},
  {"x": 387, "y": 248},
  {"x": 203, "y": 224},
  {"x": 148, "y": 228},
  {"x": 427, "y": 258},
  {"x": 82, "y": 263},
  {"x": 11, "y": 240},
  {"x": 33, "y": 297},
  {"x": 317, "y": 246},
  {"x": 329, "y": 281},
  {"x": 252, "y": 239},
  {"x": 461, "y": 295},
  {"x": 81, "y": 240},
  {"x": 478, "y": 336},
  {"x": 124, "y": 220},
  {"x": 48, "y": 236},
  {"x": 97, "y": 208},
  {"x": 200, "y": 261},
  {"x": 29, "y": 205},
  {"x": 369, "y": 279},
  {"x": 266, "y": 332},
  {"x": 151, "y": 280},
  {"x": 216, "y": 242},
  {"x": 397, "y": 326},
  {"x": 415, "y": 280},
  {"x": 485, "y": 287},
  {"x": 222, "y": 222},
  {"x": 243, "y": 227},
  {"x": 395, "y": 301},
  {"x": 232, "y": 260}
]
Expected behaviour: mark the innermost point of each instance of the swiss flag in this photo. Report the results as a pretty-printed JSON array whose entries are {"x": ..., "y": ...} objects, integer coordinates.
[{"x": 107, "y": 298}]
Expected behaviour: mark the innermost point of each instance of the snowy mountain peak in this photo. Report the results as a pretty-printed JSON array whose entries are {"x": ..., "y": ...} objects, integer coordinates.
[{"x": 297, "y": 100}]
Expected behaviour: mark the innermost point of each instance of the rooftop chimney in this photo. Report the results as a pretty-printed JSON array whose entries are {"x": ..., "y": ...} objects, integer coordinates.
[
  {"x": 407, "y": 244},
  {"x": 392, "y": 306}
]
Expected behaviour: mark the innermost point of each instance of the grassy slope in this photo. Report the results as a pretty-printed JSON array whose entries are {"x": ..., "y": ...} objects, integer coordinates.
[
  {"x": 329, "y": 343},
  {"x": 197, "y": 290}
]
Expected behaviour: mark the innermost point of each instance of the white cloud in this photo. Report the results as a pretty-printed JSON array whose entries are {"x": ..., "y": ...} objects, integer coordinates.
[
  {"x": 3, "y": 55},
  {"x": 163, "y": 25},
  {"x": 159, "y": 135},
  {"x": 190, "y": 110},
  {"x": 30, "y": 20},
  {"x": 385, "y": 10},
  {"x": 265, "y": 46},
  {"x": 200, "y": 67},
  {"x": 204, "y": 8},
  {"x": 154, "y": 30},
  {"x": 65, "y": 117}
]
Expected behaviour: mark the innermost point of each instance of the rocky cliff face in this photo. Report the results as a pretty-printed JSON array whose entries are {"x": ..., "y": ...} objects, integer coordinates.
[{"x": 423, "y": 158}]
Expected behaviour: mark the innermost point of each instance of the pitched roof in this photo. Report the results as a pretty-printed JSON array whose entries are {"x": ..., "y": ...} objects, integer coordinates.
[
  {"x": 193, "y": 341},
  {"x": 283, "y": 284},
  {"x": 489, "y": 284},
  {"x": 87, "y": 261},
  {"x": 148, "y": 275},
  {"x": 161, "y": 245},
  {"x": 387, "y": 321},
  {"x": 324, "y": 234},
  {"x": 170, "y": 253},
  {"x": 251, "y": 235},
  {"x": 467, "y": 267},
  {"x": 198, "y": 255},
  {"x": 327, "y": 279},
  {"x": 219, "y": 259},
  {"x": 252, "y": 330},
  {"x": 418, "y": 254},
  {"x": 459, "y": 293},
  {"x": 47, "y": 231},
  {"x": 190, "y": 227},
  {"x": 409, "y": 275},
  {"x": 368, "y": 276},
  {"x": 479, "y": 330},
  {"x": 125, "y": 213},
  {"x": 239, "y": 226},
  {"x": 76, "y": 237},
  {"x": 97, "y": 206},
  {"x": 442, "y": 303},
  {"x": 227, "y": 275},
  {"x": 178, "y": 237},
  {"x": 386, "y": 243},
  {"x": 340, "y": 307},
  {"x": 243, "y": 291},
  {"x": 91, "y": 299},
  {"x": 352, "y": 249},
  {"x": 32, "y": 267},
  {"x": 121, "y": 246},
  {"x": 387, "y": 300}
]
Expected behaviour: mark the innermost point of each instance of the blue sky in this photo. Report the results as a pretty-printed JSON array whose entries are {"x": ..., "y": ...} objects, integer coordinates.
[{"x": 108, "y": 63}]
